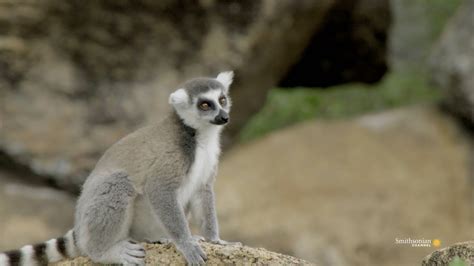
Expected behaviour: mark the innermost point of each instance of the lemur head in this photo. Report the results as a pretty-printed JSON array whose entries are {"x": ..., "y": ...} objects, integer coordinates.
[{"x": 204, "y": 102}]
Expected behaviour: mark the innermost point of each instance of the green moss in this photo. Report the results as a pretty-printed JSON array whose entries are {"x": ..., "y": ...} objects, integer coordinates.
[
  {"x": 457, "y": 262},
  {"x": 288, "y": 106}
]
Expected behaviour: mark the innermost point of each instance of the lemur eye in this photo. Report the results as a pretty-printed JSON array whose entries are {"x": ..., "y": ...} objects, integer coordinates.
[
  {"x": 205, "y": 106},
  {"x": 222, "y": 100}
]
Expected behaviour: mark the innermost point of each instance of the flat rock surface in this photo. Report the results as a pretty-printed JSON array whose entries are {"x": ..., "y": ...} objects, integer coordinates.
[{"x": 157, "y": 254}]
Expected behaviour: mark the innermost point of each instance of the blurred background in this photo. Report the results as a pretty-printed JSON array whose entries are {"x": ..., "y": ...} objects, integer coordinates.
[{"x": 352, "y": 123}]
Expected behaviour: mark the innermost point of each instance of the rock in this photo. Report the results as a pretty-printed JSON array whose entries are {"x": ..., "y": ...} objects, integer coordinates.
[
  {"x": 416, "y": 27},
  {"x": 31, "y": 213},
  {"x": 452, "y": 63},
  {"x": 463, "y": 251},
  {"x": 78, "y": 76},
  {"x": 217, "y": 255},
  {"x": 341, "y": 192}
]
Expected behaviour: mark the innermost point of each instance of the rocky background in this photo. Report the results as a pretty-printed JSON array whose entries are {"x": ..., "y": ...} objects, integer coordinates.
[{"x": 77, "y": 76}]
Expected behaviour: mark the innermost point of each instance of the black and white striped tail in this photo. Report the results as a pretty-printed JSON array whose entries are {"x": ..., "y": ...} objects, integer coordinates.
[{"x": 53, "y": 250}]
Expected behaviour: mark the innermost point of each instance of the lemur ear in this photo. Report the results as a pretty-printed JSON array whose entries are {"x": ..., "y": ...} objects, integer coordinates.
[
  {"x": 179, "y": 97},
  {"x": 226, "y": 79}
]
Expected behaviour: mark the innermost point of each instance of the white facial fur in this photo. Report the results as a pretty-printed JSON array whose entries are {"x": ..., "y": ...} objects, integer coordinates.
[
  {"x": 179, "y": 100},
  {"x": 188, "y": 110}
]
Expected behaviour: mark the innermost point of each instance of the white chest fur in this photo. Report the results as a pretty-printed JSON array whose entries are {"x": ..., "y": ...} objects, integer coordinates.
[{"x": 205, "y": 163}]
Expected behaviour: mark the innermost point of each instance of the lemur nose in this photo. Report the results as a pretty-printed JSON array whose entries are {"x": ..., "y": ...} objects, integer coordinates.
[{"x": 222, "y": 117}]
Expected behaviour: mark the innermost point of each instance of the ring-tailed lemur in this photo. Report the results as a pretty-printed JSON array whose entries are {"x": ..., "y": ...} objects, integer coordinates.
[{"x": 144, "y": 186}]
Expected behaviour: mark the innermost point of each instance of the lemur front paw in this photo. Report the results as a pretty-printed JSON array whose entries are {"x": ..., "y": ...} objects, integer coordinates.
[{"x": 192, "y": 252}]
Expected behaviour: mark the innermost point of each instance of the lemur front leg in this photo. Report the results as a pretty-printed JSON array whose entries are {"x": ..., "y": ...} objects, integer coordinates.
[
  {"x": 204, "y": 210},
  {"x": 164, "y": 201}
]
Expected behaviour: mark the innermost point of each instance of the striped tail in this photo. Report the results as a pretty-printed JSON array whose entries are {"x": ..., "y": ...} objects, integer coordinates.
[{"x": 52, "y": 250}]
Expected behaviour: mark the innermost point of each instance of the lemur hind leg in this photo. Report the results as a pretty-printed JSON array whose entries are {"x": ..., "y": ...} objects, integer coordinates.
[
  {"x": 145, "y": 225},
  {"x": 106, "y": 208}
]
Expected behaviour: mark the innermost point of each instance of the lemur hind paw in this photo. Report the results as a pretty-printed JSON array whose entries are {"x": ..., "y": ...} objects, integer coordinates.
[{"x": 133, "y": 254}]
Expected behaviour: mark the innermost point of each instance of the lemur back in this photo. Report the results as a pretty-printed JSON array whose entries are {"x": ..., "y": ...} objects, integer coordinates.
[{"x": 146, "y": 152}]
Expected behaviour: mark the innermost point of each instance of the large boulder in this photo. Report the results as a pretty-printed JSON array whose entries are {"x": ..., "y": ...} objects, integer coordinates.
[
  {"x": 452, "y": 63},
  {"x": 343, "y": 192},
  {"x": 216, "y": 255},
  {"x": 77, "y": 76}
]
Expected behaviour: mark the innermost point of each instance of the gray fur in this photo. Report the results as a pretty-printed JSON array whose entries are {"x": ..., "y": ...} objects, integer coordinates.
[
  {"x": 198, "y": 86},
  {"x": 187, "y": 139},
  {"x": 103, "y": 209},
  {"x": 162, "y": 194},
  {"x": 104, "y": 212},
  {"x": 205, "y": 213},
  {"x": 151, "y": 152}
]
